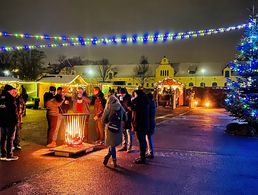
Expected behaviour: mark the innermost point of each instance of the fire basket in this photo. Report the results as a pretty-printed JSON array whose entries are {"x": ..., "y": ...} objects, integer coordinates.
[{"x": 74, "y": 124}]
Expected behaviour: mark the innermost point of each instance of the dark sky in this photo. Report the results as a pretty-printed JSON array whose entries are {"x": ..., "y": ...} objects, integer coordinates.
[{"x": 105, "y": 17}]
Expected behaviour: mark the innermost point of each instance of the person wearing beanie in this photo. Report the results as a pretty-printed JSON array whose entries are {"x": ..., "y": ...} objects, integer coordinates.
[{"x": 8, "y": 122}]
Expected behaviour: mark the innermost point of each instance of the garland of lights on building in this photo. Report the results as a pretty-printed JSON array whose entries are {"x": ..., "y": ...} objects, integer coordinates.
[{"x": 146, "y": 38}]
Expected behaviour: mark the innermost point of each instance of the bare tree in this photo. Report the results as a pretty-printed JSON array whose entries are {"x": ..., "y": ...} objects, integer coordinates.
[
  {"x": 142, "y": 70},
  {"x": 104, "y": 68},
  {"x": 61, "y": 59},
  {"x": 30, "y": 63}
]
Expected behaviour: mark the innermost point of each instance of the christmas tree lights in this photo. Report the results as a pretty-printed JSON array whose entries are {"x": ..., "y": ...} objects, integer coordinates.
[{"x": 242, "y": 95}]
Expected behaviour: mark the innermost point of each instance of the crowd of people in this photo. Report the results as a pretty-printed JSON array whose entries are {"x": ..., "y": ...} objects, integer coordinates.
[
  {"x": 116, "y": 119},
  {"x": 135, "y": 114}
]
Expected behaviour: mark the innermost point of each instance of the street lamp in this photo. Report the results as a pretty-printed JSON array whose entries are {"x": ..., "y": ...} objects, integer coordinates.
[{"x": 89, "y": 72}]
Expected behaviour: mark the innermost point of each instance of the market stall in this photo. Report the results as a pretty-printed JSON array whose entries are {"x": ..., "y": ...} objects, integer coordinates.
[
  {"x": 169, "y": 92},
  {"x": 69, "y": 83}
]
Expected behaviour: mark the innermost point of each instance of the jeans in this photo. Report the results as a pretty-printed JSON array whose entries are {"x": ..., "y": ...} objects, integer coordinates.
[
  {"x": 141, "y": 136},
  {"x": 149, "y": 143},
  {"x": 17, "y": 137},
  {"x": 112, "y": 151},
  {"x": 55, "y": 133},
  {"x": 99, "y": 129},
  {"x": 52, "y": 123},
  {"x": 7, "y": 137},
  {"x": 127, "y": 138}
]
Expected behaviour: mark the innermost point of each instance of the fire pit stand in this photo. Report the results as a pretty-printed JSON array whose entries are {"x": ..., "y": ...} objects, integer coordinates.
[{"x": 74, "y": 125}]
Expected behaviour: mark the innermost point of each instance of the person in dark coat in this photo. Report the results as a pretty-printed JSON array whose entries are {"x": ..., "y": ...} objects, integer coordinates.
[
  {"x": 8, "y": 122},
  {"x": 25, "y": 97},
  {"x": 125, "y": 100},
  {"x": 140, "y": 122},
  {"x": 49, "y": 95},
  {"x": 21, "y": 108},
  {"x": 152, "y": 126}
]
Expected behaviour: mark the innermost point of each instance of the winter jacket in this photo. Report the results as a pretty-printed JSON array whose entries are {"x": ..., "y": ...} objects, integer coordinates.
[
  {"x": 21, "y": 108},
  {"x": 152, "y": 116},
  {"x": 53, "y": 107},
  {"x": 113, "y": 139},
  {"x": 126, "y": 103},
  {"x": 99, "y": 105},
  {"x": 8, "y": 110},
  {"x": 85, "y": 105},
  {"x": 47, "y": 96},
  {"x": 140, "y": 114}
]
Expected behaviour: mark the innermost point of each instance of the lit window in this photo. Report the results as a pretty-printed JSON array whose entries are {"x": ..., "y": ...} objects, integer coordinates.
[
  {"x": 191, "y": 84},
  {"x": 227, "y": 74},
  {"x": 214, "y": 84}
]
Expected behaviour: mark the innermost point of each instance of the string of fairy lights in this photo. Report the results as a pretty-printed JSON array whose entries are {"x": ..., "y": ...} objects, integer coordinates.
[{"x": 124, "y": 39}]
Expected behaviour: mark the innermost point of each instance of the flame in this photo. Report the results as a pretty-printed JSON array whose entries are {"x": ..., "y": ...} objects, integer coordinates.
[{"x": 74, "y": 129}]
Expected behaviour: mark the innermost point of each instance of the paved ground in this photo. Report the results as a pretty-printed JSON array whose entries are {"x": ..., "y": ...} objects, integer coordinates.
[{"x": 192, "y": 156}]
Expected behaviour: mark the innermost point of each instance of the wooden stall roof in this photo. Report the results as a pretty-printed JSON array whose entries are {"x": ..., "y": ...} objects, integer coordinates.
[{"x": 63, "y": 79}]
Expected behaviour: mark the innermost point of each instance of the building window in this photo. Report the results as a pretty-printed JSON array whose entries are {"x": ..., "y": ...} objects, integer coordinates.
[
  {"x": 147, "y": 84},
  {"x": 225, "y": 84},
  {"x": 214, "y": 84},
  {"x": 227, "y": 74},
  {"x": 152, "y": 84},
  {"x": 167, "y": 72},
  {"x": 202, "y": 84},
  {"x": 191, "y": 84},
  {"x": 136, "y": 83},
  {"x": 129, "y": 83},
  {"x": 161, "y": 73},
  {"x": 110, "y": 75}
]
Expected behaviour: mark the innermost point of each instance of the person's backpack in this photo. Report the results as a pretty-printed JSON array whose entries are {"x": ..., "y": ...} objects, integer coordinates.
[{"x": 114, "y": 124}]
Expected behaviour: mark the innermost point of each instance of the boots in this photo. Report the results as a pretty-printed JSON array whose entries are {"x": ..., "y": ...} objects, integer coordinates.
[
  {"x": 106, "y": 158},
  {"x": 114, "y": 163}
]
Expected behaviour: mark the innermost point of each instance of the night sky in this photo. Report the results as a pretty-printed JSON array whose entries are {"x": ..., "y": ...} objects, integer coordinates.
[{"x": 106, "y": 17}]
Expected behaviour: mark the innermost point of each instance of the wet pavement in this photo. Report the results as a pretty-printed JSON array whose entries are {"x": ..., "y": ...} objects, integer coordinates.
[{"x": 193, "y": 155}]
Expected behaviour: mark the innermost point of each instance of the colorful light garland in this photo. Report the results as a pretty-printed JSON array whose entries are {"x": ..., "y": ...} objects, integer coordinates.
[{"x": 112, "y": 40}]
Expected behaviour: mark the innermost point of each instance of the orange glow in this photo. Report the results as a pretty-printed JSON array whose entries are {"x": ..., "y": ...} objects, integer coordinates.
[
  {"x": 207, "y": 104},
  {"x": 74, "y": 128}
]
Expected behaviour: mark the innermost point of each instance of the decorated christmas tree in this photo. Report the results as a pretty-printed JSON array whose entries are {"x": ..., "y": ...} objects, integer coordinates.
[{"x": 242, "y": 93}]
